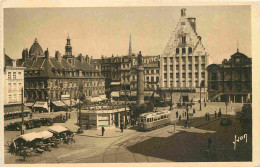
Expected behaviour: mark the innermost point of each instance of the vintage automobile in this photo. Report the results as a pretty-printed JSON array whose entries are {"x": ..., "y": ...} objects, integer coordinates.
[
  {"x": 37, "y": 123},
  {"x": 62, "y": 134},
  {"x": 29, "y": 124},
  {"x": 14, "y": 126},
  {"x": 59, "y": 119},
  {"x": 46, "y": 121},
  {"x": 225, "y": 121}
]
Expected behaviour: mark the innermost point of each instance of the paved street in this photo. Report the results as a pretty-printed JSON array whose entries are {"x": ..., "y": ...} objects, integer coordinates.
[{"x": 160, "y": 145}]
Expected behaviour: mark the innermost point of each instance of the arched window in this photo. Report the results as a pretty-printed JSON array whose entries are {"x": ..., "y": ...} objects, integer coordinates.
[
  {"x": 177, "y": 50},
  {"x": 190, "y": 50},
  {"x": 183, "y": 50}
]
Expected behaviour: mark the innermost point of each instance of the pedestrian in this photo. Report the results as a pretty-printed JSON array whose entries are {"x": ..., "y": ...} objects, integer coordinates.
[
  {"x": 180, "y": 118},
  {"x": 122, "y": 127},
  {"x": 205, "y": 104},
  {"x": 220, "y": 113},
  {"x": 177, "y": 114},
  {"x": 103, "y": 130},
  {"x": 69, "y": 115},
  {"x": 206, "y": 116},
  {"x": 182, "y": 113},
  {"x": 209, "y": 142},
  {"x": 215, "y": 114},
  {"x": 193, "y": 110}
]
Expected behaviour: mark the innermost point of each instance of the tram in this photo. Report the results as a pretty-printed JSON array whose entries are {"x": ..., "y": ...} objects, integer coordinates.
[{"x": 153, "y": 120}]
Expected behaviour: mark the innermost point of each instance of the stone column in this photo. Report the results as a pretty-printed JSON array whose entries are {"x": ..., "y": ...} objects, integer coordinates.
[
  {"x": 187, "y": 69},
  {"x": 140, "y": 80},
  {"x": 199, "y": 71},
  {"x": 118, "y": 118},
  {"x": 193, "y": 72},
  {"x": 180, "y": 70},
  {"x": 161, "y": 72},
  {"x": 168, "y": 72},
  {"x": 174, "y": 71}
]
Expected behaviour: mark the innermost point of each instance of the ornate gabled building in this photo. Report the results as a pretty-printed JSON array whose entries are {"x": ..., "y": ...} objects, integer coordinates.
[
  {"x": 232, "y": 80},
  {"x": 48, "y": 78},
  {"x": 184, "y": 62}
]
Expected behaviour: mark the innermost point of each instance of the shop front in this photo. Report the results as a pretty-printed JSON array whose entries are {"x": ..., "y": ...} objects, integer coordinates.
[
  {"x": 40, "y": 107},
  {"x": 59, "y": 106}
]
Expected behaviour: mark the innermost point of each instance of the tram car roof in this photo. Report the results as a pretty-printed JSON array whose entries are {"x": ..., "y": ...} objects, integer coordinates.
[{"x": 151, "y": 114}]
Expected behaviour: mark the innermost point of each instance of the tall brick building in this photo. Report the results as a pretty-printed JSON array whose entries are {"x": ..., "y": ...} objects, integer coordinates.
[
  {"x": 231, "y": 80},
  {"x": 184, "y": 62}
]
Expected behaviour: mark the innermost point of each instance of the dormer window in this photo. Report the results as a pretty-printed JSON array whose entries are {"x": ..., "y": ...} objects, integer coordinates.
[
  {"x": 183, "y": 40},
  {"x": 72, "y": 62}
]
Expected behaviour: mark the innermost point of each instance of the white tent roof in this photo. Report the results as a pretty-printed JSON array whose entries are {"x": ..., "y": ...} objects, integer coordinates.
[
  {"x": 115, "y": 83},
  {"x": 114, "y": 94},
  {"x": 57, "y": 128},
  {"x": 45, "y": 134},
  {"x": 29, "y": 136}
]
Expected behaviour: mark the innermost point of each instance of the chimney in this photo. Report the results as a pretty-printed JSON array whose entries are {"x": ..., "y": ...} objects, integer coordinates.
[
  {"x": 80, "y": 57},
  {"x": 87, "y": 59},
  {"x": 183, "y": 12},
  {"x": 14, "y": 63},
  {"x": 25, "y": 54},
  {"x": 193, "y": 23},
  {"x": 46, "y": 53},
  {"x": 58, "y": 56}
]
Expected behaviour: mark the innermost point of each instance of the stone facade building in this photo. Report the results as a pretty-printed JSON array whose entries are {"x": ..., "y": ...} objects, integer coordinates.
[
  {"x": 121, "y": 75},
  {"x": 13, "y": 88},
  {"x": 184, "y": 62},
  {"x": 47, "y": 78},
  {"x": 232, "y": 80}
]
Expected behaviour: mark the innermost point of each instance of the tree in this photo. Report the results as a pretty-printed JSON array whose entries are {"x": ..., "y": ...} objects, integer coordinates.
[{"x": 246, "y": 119}]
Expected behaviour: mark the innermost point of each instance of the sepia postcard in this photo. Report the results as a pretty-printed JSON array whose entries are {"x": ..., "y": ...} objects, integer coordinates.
[{"x": 140, "y": 83}]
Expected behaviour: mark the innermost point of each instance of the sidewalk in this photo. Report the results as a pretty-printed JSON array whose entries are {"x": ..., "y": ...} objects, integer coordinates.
[{"x": 109, "y": 133}]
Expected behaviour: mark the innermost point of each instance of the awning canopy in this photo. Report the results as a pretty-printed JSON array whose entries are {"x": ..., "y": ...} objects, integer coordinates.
[
  {"x": 40, "y": 104},
  {"x": 30, "y": 136},
  {"x": 114, "y": 94},
  {"x": 29, "y": 104},
  {"x": 67, "y": 102},
  {"x": 95, "y": 99},
  {"x": 59, "y": 104},
  {"x": 57, "y": 129},
  {"x": 115, "y": 83},
  {"x": 45, "y": 134}
]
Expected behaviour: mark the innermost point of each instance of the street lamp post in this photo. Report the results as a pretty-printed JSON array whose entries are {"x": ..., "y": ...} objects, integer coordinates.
[
  {"x": 200, "y": 95},
  {"x": 22, "y": 111}
]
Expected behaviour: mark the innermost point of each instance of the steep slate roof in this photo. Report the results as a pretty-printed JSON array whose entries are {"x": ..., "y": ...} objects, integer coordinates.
[
  {"x": 8, "y": 61},
  {"x": 48, "y": 66}
]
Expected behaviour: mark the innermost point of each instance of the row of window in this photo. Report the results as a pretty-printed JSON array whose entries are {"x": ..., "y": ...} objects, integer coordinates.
[
  {"x": 184, "y": 59},
  {"x": 152, "y": 79},
  {"x": 15, "y": 98},
  {"x": 184, "y": 75},
  {"x": 152, "y": 71},
  {"x": 184, "y": 67},
  {"x": 14, "y": 75},
  {"x": 178, "y": 84},
  {"x": 14, "y": 86},
  {"x": 183, "y": 50}
]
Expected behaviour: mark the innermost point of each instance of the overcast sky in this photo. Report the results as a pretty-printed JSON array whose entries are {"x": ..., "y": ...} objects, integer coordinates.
[{"x": 105, "y": 31}]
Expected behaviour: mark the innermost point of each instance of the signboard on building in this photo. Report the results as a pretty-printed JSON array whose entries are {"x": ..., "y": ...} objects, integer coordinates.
[{"x": 146, "y": 60}]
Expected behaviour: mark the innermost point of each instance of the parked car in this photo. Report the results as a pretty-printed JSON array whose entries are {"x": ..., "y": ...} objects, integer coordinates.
[
  {"x": 46, "y": 121},
  {"x": 14, "y": 126},
  {"x": 29, "y": 124},
  {"x": 225, "y": 121},
  {"x": 37, "y": 123}
]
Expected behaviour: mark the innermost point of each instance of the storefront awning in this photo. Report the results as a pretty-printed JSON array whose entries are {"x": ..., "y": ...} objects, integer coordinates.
[
  {"x": 115, "y": 83},
  {"x": 67, "y": 102},
  {"x": 95, "y": 99},
  {"x": 29, "y": 104},
  {"x": 59, "y": 104},
  {"x": 114, "y": 94},
  {"x": 40, "y": 104},
  {"x": 103, "y": 97}
]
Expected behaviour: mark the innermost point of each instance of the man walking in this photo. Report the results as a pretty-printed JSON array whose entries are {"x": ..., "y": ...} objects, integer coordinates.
[
  {"x": 122, "y": 127},
  {"x": 103, "y": 130},
  {"x": 193, "y": 110},
  {"x": 215, "y": 114},
  {"x": 180, "y": 118},
  {"x": 177, "y": 114}
]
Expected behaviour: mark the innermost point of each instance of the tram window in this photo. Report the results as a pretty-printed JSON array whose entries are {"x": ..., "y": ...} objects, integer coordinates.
[
  {"x": 148, "y": 120},
  {"x": 164, "y": 116},
  {"x": 161, "y": 116}
]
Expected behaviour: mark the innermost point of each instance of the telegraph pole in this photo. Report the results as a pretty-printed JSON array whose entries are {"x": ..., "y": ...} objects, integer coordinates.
[
  {"x": 200, "y": 95},
  {"x": 22, "y": 112}
]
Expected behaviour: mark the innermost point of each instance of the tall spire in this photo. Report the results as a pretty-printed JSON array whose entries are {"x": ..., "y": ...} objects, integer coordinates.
[{"x": 130, "y": 46}]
